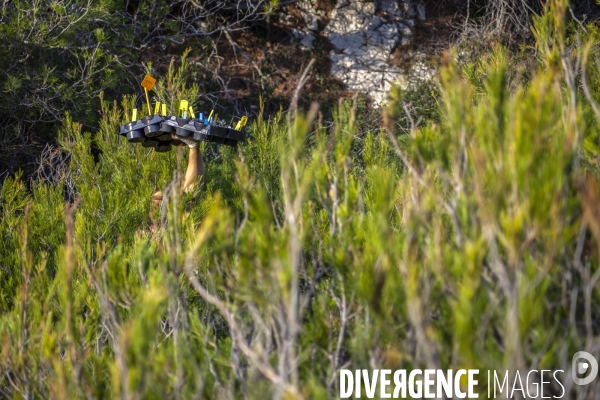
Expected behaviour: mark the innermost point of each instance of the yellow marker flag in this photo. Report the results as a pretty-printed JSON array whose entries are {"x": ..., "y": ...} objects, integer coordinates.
[
  {"x": 148, "y": 84},
  {"x": 157, "y": 107},
  {"x": 210, "y": 115},
  {"x": 164, "y": 109},
  {"x": 241, "y": 123},
  {"x": 134, "y": 115},
  {"x": 192, "y": 112},
  {"x": 183, "y": 106}
]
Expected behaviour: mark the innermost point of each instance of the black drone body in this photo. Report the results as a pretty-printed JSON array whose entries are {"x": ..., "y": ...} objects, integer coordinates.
[{"x": 162, "y": 132}]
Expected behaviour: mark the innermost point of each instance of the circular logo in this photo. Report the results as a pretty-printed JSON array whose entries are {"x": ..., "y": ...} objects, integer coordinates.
[{"x": 584, "y": 364}]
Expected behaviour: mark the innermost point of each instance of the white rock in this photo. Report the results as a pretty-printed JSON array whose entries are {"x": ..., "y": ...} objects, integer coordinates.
[
  {"x": 307, "y": 41},
  {"x": 303, "y": 38},
  {"x": 366, "y": 42},
  {"x": 420, "y": 72},
  {"x": 310, "y": 14},
  {"x": 306, "y": 36}
]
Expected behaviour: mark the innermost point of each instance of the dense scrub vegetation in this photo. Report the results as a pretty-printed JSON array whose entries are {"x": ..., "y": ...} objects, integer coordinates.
[
  {"x": 471, "y": 242},
  {"x": 58, "y": 55}
]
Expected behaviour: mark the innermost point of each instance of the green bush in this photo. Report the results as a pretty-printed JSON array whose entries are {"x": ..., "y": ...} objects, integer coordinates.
[
  {"x": 58, "y": 56},
  {"x": 472, "y": 243}
]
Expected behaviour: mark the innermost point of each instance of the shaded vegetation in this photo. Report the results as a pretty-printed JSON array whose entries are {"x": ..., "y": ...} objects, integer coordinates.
[
  {"x": 471, "y": 241},
  {"x": 57, "y": 56}
]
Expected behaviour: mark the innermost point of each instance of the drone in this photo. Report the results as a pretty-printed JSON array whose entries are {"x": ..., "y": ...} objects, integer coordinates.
[{"x": 162, "y": 132}]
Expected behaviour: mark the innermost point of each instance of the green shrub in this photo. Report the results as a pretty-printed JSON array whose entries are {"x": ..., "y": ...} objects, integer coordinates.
[{"x": 472, "y": 243}]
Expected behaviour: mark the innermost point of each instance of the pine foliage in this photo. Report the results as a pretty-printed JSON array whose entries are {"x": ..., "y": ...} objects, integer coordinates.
[{"x": 470, "y": 243}]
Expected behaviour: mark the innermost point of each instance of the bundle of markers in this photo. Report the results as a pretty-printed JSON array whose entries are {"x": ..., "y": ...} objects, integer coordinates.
[{"x": 162, "y": 132}]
